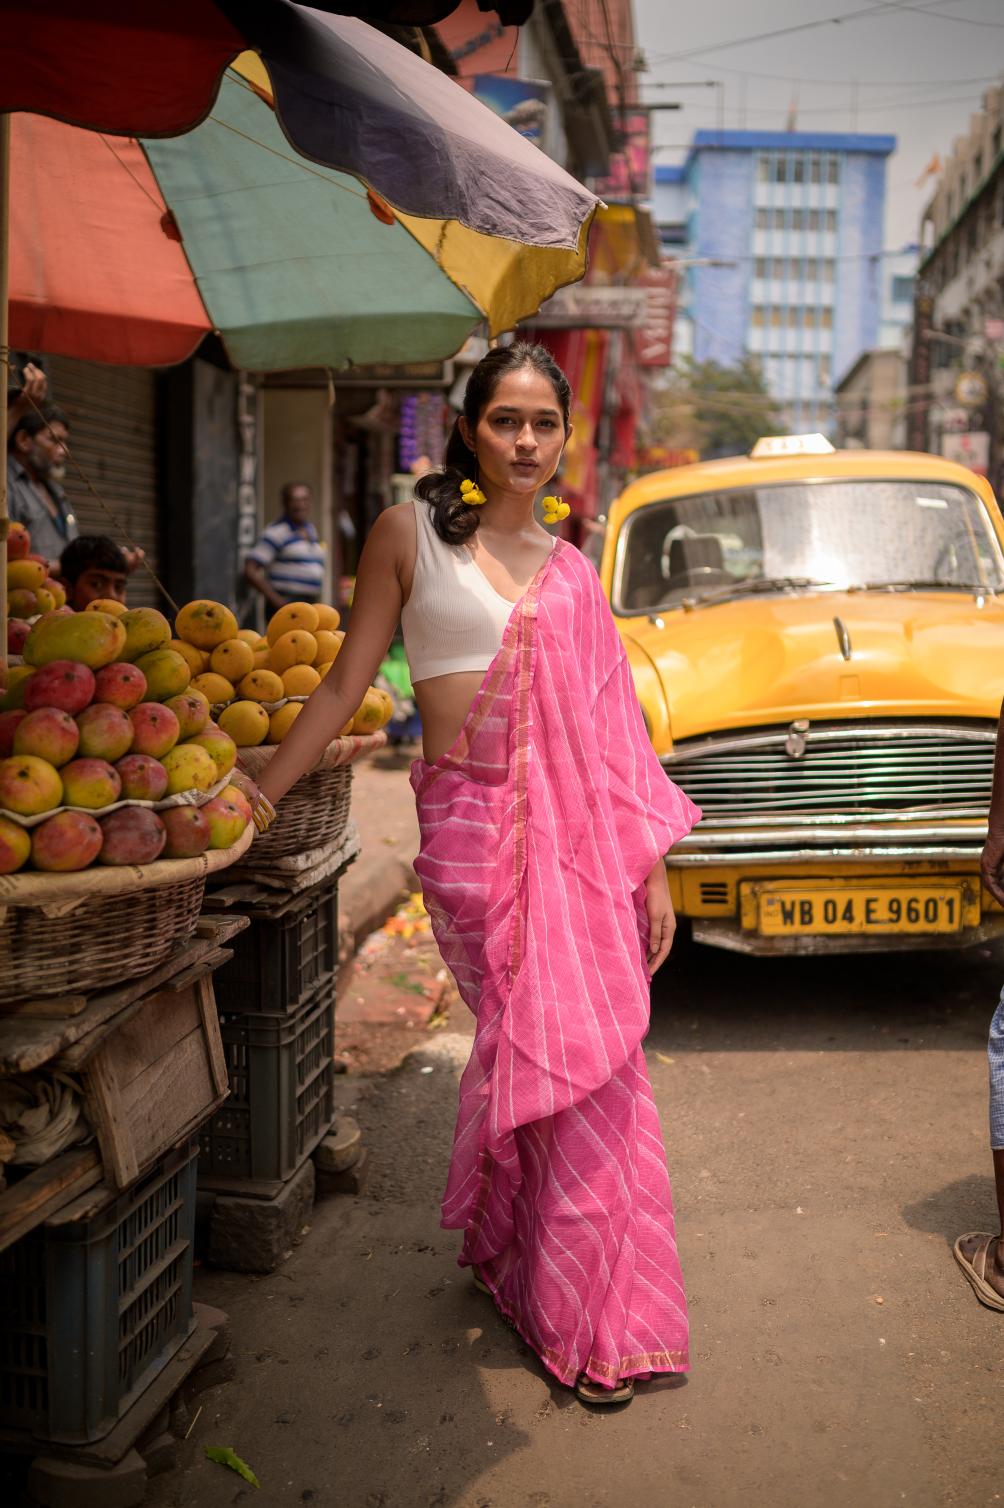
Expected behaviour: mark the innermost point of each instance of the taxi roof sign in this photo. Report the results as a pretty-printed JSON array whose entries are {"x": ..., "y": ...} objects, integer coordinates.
[{"x": 791, "y": 445}]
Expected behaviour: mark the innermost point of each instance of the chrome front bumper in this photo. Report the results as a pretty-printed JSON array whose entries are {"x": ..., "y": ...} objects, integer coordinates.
[{"x": 884, "y": 838}]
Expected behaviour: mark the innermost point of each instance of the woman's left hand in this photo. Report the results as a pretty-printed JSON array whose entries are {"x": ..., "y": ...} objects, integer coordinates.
[{"x": 661, "y": 917}]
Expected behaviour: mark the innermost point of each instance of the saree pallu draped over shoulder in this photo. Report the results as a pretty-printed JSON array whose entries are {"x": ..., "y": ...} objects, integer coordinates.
[{"x": 539, "y": 827}]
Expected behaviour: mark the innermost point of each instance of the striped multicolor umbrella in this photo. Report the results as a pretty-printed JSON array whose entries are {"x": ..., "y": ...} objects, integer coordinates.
[{"x": 341, "y": 201}]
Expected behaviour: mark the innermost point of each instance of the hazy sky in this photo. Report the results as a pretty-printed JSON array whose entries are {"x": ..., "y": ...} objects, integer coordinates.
[{"x": 913, "y": 70}]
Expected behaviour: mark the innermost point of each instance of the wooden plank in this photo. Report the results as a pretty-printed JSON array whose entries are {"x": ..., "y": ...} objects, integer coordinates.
[
  {"x": 52, "y": 1006},
  {"x": 214, "y": 1042},
  {"x": 78, "y": 1054},
  {"x": 151, "y": 1033},
  {"x": 168, "y": 1096},
  {"x": 110, "y": 1119},
  {"x": 222, "y": 928},
  {"x": 27, "y": 1044},
  {"x": 157, "y": 1076},
  {"x": 41, "y": 1193}
]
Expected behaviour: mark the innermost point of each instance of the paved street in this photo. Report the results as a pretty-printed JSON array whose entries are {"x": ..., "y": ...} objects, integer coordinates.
[{"x": 826, "y": 1130}]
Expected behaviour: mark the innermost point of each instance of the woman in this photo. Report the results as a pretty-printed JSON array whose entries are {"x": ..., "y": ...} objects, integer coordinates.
[{"x": 544, "y": 816}]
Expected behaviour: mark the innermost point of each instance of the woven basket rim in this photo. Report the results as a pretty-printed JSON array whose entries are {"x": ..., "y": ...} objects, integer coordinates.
[
  {"x": 252, "y": 759},
  {"x": 32, "y": 888}
]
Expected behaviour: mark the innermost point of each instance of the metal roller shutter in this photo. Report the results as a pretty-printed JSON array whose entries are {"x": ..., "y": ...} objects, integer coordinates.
[{"x": 112, "y": 417}]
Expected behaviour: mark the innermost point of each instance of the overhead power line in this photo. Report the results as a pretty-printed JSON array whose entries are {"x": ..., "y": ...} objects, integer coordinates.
[{"x": 884, "y": 7}]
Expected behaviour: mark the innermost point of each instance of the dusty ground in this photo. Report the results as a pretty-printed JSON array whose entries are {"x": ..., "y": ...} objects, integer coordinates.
[{"x": 826, "y": 1130}]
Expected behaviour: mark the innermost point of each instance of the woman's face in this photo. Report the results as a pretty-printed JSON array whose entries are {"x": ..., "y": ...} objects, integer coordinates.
[{"x": 520, "y": 434}]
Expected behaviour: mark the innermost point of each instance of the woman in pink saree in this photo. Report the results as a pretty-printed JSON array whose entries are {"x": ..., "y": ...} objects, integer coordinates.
[{"x": 544, "y": 817}]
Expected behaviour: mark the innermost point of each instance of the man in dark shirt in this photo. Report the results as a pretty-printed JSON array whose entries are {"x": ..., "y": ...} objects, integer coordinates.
[{"x": 36, "y": 455}]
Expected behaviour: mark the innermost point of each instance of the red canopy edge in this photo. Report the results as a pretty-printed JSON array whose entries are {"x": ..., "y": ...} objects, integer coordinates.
[
  {"x": 132, "y": 300},
  {"x": 129, "y": 67}
]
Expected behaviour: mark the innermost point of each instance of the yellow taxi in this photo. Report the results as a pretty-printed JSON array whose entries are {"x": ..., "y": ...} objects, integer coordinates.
[{"x": 817, "y": 641}]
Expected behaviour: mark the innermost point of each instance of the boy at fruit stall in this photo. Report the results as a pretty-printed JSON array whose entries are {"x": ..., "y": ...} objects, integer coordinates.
[{"x": 92, "y": 568}]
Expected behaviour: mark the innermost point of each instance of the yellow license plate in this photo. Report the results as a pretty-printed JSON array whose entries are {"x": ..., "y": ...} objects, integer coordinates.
[{"x": 831, "y": 909}]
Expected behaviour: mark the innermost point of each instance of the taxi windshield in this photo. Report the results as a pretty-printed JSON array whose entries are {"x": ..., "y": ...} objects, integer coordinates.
[{"x": 893, "y": 535}]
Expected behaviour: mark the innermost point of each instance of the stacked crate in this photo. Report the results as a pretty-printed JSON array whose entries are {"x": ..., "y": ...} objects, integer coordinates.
[
  {"x": 99, "y": 1333},
  {"x": 277, "y": 1004}
]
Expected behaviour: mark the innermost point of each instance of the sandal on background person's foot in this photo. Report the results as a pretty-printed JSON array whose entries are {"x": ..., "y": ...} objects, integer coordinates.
[
  {"x": 975, "y": 1268},
  {"x": 588, "y": 1391}
]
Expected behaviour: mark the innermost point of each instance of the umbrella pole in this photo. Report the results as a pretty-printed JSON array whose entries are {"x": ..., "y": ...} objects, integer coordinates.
[{"x": 4, "y": 369}]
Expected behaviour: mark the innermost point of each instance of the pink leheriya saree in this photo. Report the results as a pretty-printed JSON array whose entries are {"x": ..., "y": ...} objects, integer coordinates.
[{"x": 538, "y": 829}]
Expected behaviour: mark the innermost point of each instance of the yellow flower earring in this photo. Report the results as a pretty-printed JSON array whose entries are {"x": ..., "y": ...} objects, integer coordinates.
[
  {"x": 471, "y": 493},
  {"x": 554, "y": 509}
]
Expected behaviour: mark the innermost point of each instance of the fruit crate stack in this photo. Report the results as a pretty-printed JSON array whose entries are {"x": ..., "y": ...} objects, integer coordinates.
[
  {"x": 98, "y": 1328},
  {"x": 277, "y": 1005}
]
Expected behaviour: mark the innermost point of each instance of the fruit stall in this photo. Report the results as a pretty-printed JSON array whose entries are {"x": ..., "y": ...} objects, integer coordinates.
[{"x": 166, "y": 999}]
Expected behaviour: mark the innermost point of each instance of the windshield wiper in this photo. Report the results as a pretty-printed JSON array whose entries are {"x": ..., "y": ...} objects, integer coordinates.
[
  {"x": 755, "y": 584},
  {"x": 920, "y": 585}
]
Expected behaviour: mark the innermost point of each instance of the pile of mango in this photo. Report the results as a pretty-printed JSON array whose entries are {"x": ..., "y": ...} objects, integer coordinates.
[
  {"x": 101, "y": 713},
  {"x": 258, "y": 683},
  {"x": 30, "y": 588}
]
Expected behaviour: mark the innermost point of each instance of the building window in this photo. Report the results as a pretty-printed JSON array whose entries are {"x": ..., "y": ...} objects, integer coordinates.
[
  {"x": 831, "y": 219},
  {"x": 763, "y": 169},
  {"x": 797, "y": 219},
  {"x": 813, "y": 219},
  {"x": 810, "y": 319},
  {"x": 824, "y": 371},
  {"x": 775, "y": 318},
  {"x": 798, "y": 170},
  {"x": 826, "y": 318},
  {"x": 760, "y": 267},
  {"x": 781, "y": 170},
  {"x": 779, "y": 219},
  {"x": 833, "y": 170},
  {"x": 762, "y": 219},
  {"x": 792, "y": 318},
  {"x": 815, "y": 170},
  {"x": 758, "y": 316},
  {"x": 812, "y": 269},
  {"x": 902, "y": 290},
  {"x": 827, "y": 268}
]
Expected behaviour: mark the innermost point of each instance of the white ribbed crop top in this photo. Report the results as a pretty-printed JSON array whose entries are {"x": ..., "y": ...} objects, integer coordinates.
[{"x": 454, "y": 618}]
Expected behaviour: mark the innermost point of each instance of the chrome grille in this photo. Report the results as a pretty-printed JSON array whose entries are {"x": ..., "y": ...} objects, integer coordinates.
[{"x": 843, "y": 769}]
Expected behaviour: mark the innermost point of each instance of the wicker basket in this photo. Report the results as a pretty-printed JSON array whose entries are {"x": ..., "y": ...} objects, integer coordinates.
[
  {"x": 314, "y": 813},
  {"x": 69, "y": 934}
]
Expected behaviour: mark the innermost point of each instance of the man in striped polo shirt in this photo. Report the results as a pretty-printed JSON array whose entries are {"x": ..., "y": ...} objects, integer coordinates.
[{"x": 287, "y": 563}]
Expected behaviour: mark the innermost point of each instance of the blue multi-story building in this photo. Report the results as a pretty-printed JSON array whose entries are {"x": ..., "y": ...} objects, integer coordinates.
[{"x": 781, "y": 255}]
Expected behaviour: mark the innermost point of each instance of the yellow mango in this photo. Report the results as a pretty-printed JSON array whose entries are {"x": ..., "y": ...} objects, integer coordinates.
[
  {"x": 282, "y": 720},
  {"x": 215, "y": 688},
  {"x": 328, "y": 618},
  {"x": 293, "y": 615},
  {"x": 246, "y": 722},
  {"x": 205, "y": 624},
  {"x": 233, "y": 659},
  {"x": 262, "y": 686},
  {"x": 295, "y": 648}
]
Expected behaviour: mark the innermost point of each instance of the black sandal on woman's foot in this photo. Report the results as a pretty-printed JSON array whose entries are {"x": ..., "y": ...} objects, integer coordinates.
[{"x": 588, "y": 1391}]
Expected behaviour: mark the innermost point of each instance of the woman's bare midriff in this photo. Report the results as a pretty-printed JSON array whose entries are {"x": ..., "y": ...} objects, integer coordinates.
[{"x": 443, "y": 703}]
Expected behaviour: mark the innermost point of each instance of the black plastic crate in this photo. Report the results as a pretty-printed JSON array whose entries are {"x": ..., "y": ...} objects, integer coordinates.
[
  {"x": 283, "y": 956},
  {"x": 282, "y": 1084},
  {"x": 92, "y": 1309}
]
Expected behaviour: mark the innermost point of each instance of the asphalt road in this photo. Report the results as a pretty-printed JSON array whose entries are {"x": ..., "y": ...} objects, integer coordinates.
[{"x": 825, "y": 1122}]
